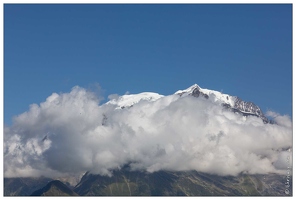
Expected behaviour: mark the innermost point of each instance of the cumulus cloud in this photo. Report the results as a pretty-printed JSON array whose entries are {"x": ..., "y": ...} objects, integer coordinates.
[
  {"x": 284, "y": 120},
  {"x": 70, "y": 133}
]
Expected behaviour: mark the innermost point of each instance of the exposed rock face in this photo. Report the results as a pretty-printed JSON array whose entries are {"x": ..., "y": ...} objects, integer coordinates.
[
  {"x": 196, "y": 93},
  {"x": 249, "y": 108},
  {"x": 233, "y": 103}
]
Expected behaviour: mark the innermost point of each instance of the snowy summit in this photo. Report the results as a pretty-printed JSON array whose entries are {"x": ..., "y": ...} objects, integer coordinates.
[
  {"x": 131, "y": 99},
  {"x": 213, "y": 95}
]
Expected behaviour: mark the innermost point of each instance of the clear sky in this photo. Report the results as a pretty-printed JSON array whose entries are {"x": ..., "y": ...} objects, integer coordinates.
[{"x": 241, "y": 50}]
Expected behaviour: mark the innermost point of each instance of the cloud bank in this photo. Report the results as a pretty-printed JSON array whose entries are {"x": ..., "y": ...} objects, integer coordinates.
[{"x": 70, "y": 133}]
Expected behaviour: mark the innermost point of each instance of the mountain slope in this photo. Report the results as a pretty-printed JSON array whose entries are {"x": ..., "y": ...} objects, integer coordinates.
[
  {"x": 186, "y": 183},
  {"x": 131, "y": 99},
  {"x": 23, "y": 186},
  {"x": 233, "y": 103},
  {"x": 54, "y": 188}
]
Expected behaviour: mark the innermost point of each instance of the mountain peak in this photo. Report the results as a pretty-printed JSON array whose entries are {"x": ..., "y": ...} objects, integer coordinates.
[
  {"x": 188, "y": 90},
  {"x": 54, "y": 188},
  {"x": 194, "y": 86},
  {"x": 233, "y": 103}
]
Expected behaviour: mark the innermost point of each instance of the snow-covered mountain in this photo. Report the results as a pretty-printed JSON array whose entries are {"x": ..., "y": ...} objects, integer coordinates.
[
  {"x": 195, "y": 141},
  {"x": 129, "y": 100},
  {"x": 233, "y": 103},
  {"x": 212, "y": 95}
]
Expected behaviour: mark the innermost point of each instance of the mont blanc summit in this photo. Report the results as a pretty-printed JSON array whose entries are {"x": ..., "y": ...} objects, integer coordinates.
[{"x": 233, "y": 103}]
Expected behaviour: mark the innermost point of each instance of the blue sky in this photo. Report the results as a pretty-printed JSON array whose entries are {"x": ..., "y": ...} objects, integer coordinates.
[{"x": 242, "y": 50}]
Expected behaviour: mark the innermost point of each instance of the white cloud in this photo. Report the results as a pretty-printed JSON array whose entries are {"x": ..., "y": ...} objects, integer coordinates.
[
  {"x": 113, "y": 96},
  {"x": 281, "y": 120},
  {"x": 66, "y": 135}
]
